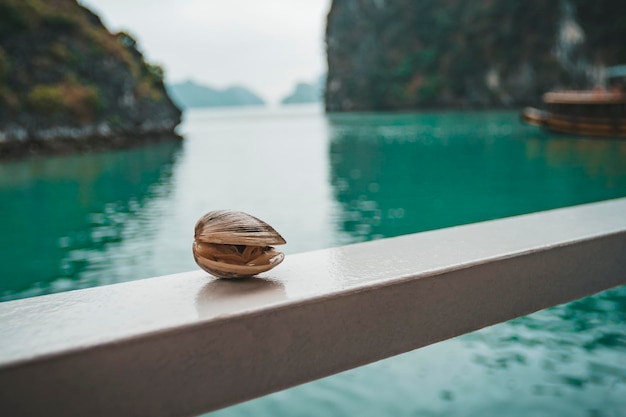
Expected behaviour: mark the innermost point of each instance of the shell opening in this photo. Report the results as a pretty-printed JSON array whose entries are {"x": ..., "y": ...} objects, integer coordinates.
[{"x": 236, "y": 254}]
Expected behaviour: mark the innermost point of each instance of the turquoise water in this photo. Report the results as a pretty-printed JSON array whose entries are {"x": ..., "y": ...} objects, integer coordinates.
[{"x": 80, "y": 221}]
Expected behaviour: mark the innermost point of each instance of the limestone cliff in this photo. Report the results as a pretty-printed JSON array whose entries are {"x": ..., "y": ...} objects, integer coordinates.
[
  {"x": 406, "y": 54},
  {"x": 64, "y": 78}
]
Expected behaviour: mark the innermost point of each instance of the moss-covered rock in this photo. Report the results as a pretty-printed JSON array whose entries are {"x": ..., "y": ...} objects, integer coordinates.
[{"x": 63, "y": 73}]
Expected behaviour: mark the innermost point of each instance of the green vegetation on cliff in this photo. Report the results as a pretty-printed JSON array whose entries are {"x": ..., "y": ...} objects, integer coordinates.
[
  {"x": 63, "y": 73},
  {"x": 385, "y": 55}
]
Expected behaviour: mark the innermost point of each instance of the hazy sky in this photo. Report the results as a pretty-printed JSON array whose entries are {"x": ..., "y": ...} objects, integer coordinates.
[{"x": 265, "y": 45}]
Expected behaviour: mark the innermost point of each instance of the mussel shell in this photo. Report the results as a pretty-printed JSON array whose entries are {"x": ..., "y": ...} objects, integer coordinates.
[
  {"x": 229, "y": 231},
  {"x": 235, "y": 228}
]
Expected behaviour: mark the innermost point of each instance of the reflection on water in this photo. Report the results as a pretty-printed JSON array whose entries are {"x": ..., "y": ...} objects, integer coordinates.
[
  {"x": 59, "y": 215},
  {"x": 397, "y": 174}
]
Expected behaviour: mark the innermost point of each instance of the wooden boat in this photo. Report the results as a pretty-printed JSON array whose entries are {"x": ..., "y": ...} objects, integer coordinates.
[{"x": 594, "y": 113}]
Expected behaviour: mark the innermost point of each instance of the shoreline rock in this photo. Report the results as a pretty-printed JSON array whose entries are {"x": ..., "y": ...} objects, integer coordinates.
[{"x": 69, "y": 145}]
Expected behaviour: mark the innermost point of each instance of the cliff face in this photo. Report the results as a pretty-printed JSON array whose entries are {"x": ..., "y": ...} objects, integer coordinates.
[
  {"x": 402, "y": 54},
  {"x": 63, "y": 76}
]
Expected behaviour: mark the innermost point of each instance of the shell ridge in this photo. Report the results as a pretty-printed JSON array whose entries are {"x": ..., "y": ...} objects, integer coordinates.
[{"x": 236, "y": 228}]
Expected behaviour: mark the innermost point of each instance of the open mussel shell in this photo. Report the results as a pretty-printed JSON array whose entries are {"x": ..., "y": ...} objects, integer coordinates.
[{"x": 233, "y": 244}]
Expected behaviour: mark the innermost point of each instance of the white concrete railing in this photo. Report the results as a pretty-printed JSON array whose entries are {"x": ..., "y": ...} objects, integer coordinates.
[{"x": 185, "y": 344}]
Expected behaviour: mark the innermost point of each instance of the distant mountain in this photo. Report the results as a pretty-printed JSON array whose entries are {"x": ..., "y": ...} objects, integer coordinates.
[
  {"x": 190, "y": 94},
  {"x": 306, "y": 93}
]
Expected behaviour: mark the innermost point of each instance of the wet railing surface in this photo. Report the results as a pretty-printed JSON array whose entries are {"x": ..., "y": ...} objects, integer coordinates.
[{"x": 188, "y": 343}]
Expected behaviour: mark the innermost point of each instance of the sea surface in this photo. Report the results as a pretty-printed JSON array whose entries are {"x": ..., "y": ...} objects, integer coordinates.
[{"x": 328, "y": 180}]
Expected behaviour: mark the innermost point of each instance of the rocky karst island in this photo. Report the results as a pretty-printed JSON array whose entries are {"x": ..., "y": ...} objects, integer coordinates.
[
  {"x": 405, "y": 54},
  {"x": 67, "y": 84}
]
